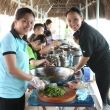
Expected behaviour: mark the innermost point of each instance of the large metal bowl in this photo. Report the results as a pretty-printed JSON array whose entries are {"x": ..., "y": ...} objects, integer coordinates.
[{"x": 59, "y": 75}]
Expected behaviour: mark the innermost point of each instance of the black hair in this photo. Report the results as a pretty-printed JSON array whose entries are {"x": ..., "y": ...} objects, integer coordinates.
[
  {"x": 38, "y": 26},
  {"x": 20, "y": 13},
  {"x": 75, "y": 9},
  {"x": 31, "y": 37},
  {"x": 39, "y": 37},
  {"x": 66, "y": 26},
  {"x": 25, "y": 38},
  {"x": 48, "y": 21},
  {"x": 47, "y": 33}
]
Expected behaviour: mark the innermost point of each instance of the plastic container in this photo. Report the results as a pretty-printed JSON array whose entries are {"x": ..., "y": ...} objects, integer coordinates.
[
  {"x": 76, "y": 59},
  {"x": 67, "y": 62},
  {"x": 71, "y": 60}
]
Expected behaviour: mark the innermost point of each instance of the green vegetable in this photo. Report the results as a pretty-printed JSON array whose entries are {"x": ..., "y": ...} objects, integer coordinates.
[
  {"x": 66, "y": 66},
  {"x": 53, "y": 91},
  {"x": 52, "y": 76}
]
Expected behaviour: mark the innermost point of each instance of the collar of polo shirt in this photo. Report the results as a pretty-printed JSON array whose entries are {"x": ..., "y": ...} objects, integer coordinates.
[{"x": 15, "y": 34}]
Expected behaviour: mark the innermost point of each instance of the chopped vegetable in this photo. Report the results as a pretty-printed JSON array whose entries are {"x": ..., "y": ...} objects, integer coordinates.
[
  {"x": 76, "y": 82},
  {"x": 70, "y": 85},
  {"x": 53, "y": 91},
  {"x": 52, "y": 76},
  {"x": 66, "y": 66}
]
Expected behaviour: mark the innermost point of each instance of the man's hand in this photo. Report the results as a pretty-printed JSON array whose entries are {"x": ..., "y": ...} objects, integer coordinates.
[{"x": 75, "y": 70}]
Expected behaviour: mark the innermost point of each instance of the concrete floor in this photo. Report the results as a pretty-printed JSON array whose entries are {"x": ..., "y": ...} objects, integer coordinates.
[{"x": 47, "y": 108}]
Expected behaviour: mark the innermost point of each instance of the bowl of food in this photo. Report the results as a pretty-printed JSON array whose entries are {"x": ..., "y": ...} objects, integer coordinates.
[{"x": 59, "y": 75}]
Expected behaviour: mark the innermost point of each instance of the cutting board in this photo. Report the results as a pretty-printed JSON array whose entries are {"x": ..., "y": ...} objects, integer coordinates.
[{"x": 69, "y": 95}]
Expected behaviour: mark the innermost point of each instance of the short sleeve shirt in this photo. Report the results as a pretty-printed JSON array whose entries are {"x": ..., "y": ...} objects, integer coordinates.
[
  {"x": 32, "y": 55},
  {"x": 92, "y": 44},
  {"x": 50, "y": 39},
  {"x": 11, "y": 86}
]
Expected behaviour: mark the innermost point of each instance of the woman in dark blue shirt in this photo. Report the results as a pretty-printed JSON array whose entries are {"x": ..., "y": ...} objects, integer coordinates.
[{"x": 47, "y": 27}]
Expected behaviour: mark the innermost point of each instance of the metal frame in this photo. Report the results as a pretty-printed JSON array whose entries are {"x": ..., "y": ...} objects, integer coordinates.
[
  {"x": 19, "y": 3},
  {"x": 97, "y": 13},
  {"x": 31, "y": 1},
  {"x": 86, "y": 10}
]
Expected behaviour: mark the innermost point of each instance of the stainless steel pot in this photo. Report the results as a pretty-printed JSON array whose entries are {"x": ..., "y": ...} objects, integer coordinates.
[
  {"x": 59, "y": 75},
  {"x": 65, "y": 47},
  {"x": 74, "y": 52}
]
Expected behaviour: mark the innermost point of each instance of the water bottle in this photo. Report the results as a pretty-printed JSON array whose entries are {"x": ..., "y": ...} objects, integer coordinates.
[
  {"x": 70, "y": 58},
  {"x": 58, "y": 61},
  {"x": 62, "y": 60},
  {"x": 66, "y": 62},
  {"x": 76, "y": 59}
]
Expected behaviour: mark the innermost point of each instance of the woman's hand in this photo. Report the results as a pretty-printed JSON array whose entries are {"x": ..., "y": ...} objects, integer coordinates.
[
  {"x": 75, "y": 70},
  {"x": 37, "y": 83},
  {"x": 52, "y": 49},
  {"x": 55, "y": 43},
  {"x": 46, "y": 62}
]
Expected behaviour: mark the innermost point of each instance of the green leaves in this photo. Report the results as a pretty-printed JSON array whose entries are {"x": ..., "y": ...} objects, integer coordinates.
[{"x": 53, "y": 91}]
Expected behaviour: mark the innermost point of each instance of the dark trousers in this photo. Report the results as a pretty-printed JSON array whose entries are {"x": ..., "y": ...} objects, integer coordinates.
[
  {"x": 103, "y": 85},
  {"x": 102, "y": 73},
  {"x": 12, "y": 104}
]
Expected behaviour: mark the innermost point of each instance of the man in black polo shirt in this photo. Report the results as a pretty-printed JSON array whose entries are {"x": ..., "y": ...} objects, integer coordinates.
[{"x": 95, "y": 50}]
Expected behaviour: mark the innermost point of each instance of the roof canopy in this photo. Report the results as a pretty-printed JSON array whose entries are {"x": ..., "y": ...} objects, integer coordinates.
[{"x": 57, "y": 8}]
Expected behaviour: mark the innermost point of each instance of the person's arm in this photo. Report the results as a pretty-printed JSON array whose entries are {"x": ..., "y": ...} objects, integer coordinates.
[
  {"x": 81, "y": 63},
  {"x": 10, "y": 60},
  {"x": 49, "y": 48},
  {"x": 38, "y": 62},
  {"x": 46, "y": 49},
  {"x": 8, "y": 50}
]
